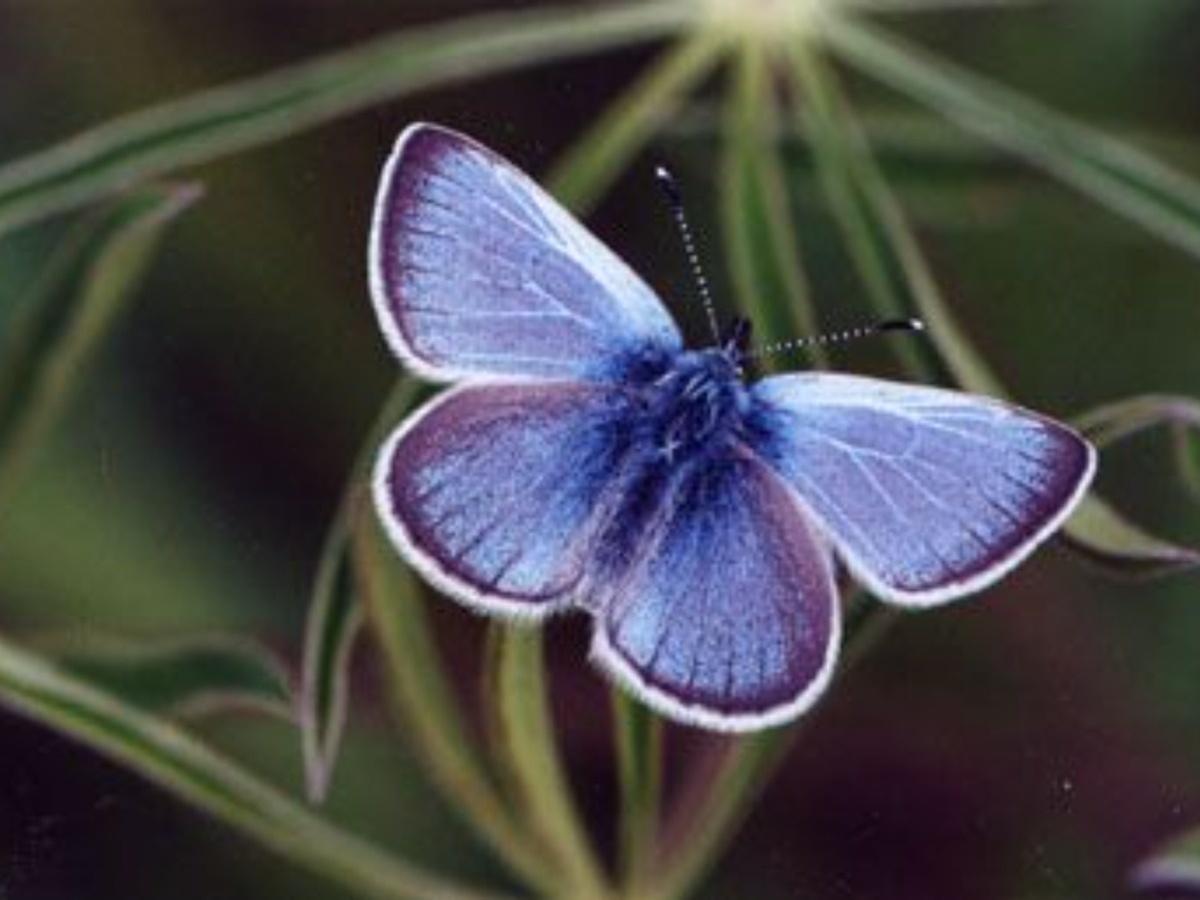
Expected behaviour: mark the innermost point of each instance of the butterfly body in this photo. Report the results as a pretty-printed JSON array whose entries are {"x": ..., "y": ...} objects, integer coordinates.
[
  {"x": 586, "y": 460},
  {"x": 696, "y": 404}
]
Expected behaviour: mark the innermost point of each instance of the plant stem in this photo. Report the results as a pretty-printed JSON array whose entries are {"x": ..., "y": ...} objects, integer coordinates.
[
  {"x": 639, "y": 740},
  {"x": 426, "y": 703},
  {"x": 524, "y": 738},
  {"x": 177, "y": 762},
  {"x": 762, "y": 244},
  {"x": 586, "y": 171}
]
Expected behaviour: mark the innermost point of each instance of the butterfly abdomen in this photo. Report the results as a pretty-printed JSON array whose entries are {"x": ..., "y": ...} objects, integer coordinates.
[{"x": 687, "y": 414}]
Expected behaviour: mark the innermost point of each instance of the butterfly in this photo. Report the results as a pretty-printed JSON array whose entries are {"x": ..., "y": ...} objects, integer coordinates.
[{"x": 584, "y": 459}]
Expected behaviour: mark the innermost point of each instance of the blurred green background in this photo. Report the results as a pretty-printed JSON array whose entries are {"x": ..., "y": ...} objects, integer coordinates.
[{"x": 1033, "y": 743}]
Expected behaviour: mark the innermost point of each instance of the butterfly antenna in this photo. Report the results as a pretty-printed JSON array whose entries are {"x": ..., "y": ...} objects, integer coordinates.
[
  {"x": 674, "y": 197},
  {"x": 838, "y": 337}
]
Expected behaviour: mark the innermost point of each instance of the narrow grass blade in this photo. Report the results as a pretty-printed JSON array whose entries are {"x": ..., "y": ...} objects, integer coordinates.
[
  {"x": 205, "y": 126},
  {"x": 1128, "y": 546},
  {"x": 639, "y": 740},
  {"x": 761, "y": 242},
  {"x": 182, "y": 677},
  {"x": 335, "y": 616},
  {"x": 331, "y": 632},
  {"x": 582, "y": 176},
  {"x": 1096, "y": 529},
  {"x": 523, "y": 735},
  {"x": 1115, "y": 174},
  {"x": 889, "y": 265},
  {"x": 1186, "y": 443},
  {"x": 427, "y": 706},
  {"x": 1099, "y": 532},
  {"x": 1116, "y": 421},
  {"x": 169, "y": 757},
  {"x": 915, "y": 6},
  {"x": 87, "y": 286}
]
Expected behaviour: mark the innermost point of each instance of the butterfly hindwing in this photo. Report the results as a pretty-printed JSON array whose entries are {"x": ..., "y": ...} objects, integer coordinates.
[
  {"x": 728, "y": 617},
  {"x": 927, "y": 494},
  {"x": 475, "y": 270},
  {"x": 493, "y": 490}
]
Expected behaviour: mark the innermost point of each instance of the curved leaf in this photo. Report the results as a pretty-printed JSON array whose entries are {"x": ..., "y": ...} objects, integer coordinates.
[
  {"x": 426, "y": 703},
  {"x": 335, "y": 616},
  {"x": 523, "y": 734},
  {"x": 86, "y": 286},
  {"x": 1116, "y": 421},
  {"x": 183, "y": 677},
  {"x": 1125, "y": 179},
  {"x": 171, "y": 758},
  {"x": 1102, "y": 534},
  {"x": 216, "y": 122},
  {"x": 1111, "y": 538}
]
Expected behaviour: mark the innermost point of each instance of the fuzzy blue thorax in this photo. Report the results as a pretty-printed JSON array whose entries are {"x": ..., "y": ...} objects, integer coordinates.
[{"x": 696, "y": 402}]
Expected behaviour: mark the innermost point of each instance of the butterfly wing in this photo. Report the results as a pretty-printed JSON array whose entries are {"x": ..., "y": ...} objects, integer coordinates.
[
  {"x": 729, "y": 617},
  {"x": 927, "y": 494},
  {"x": 475, "y": 270},
  {"x": 492, "y": 490}
]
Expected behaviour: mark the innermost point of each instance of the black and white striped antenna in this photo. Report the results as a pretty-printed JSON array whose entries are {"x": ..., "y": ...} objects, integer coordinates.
[
  {"x": 836, "y": 337},
  {"x": 674, "y": 197}
]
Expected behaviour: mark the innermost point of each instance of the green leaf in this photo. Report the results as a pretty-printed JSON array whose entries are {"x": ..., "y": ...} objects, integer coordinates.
[
  {"x": 244, "y": 114},
  {"x": 335, "y": 616},
  {"x": 1112, "y": 539},
  {"x": 762, "y": 245},
  {"x": 426, "y": 703},
  {"x": 331, "y": 631},
  {"x": 86, "y": 286},
  {"x": 639, "y": 740},
  {"x": 182, "y": 677},
  {"x": 582, "y": 176},
  {"x": 1116, "y": 421},
  {"x": 1102, "y": 534},
  {"x": 888, "y": 244},
  {"x": 523, "y": 734},
  {"x": 1112, "y": 172},
  {"x": 883, "y": 250},
  {"x": 1187, "y": 457},
  {"x": 169, "y": 757}
]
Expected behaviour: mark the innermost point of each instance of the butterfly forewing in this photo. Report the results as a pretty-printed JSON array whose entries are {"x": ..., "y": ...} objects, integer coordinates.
[
  {"x": 927, "y": 494},
  {"x": 475, "y": 270}
]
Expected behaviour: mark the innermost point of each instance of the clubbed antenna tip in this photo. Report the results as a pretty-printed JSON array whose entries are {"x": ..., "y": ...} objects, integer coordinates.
[
  {"x": 901, "y": 325},
  {"x": 839, "y": 337},
  {"x": 669, "y": 186}
]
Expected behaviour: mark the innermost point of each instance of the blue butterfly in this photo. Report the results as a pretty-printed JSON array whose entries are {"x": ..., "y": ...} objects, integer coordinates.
[{"x": 586, "y": 460}]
